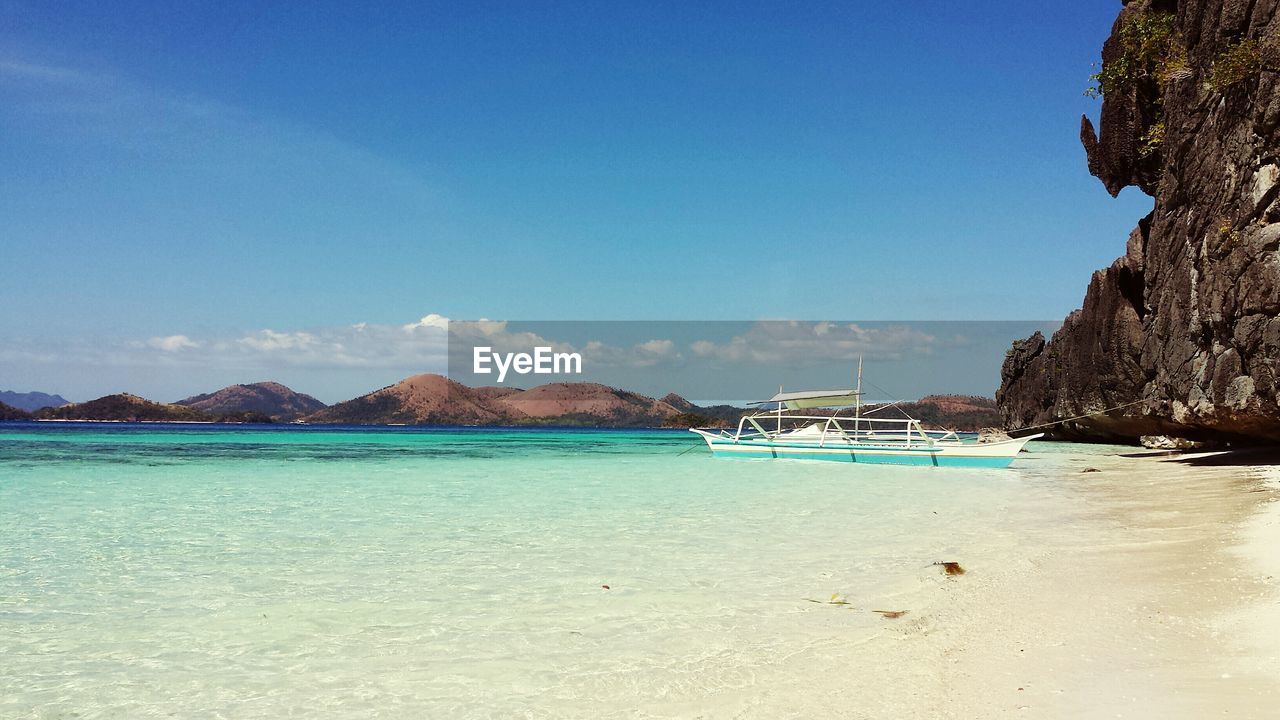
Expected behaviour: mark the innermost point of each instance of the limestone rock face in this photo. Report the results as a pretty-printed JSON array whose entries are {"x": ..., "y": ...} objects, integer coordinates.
[{"x": 1184, "y": 328}]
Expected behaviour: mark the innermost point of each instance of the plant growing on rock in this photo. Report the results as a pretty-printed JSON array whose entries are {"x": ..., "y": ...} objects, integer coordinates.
[
  {"x": 1152, "y": 139},
  {"x": 1150, "y": 56},
  {"x": 1227, "y": 233},
  {"x": 1238, "y": 62},
  {"x": 1148, "y": 51}
]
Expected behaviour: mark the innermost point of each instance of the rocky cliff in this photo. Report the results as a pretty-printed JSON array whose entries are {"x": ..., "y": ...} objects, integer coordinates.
[{"x": 1182, "y": 330}]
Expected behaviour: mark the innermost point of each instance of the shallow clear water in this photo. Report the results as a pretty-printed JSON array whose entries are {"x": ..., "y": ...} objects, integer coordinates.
[{"x": 216, "y": 572}]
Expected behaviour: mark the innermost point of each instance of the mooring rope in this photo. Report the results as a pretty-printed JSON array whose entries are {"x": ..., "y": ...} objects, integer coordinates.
[
  {"x": 1079, "y": 417},
  {"x": 688, "y": 449}
]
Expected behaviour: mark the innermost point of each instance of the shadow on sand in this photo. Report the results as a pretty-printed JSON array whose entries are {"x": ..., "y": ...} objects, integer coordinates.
[{"x": 1232, "y": 458}]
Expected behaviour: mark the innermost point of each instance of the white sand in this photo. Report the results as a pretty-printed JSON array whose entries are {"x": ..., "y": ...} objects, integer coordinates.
[{"x": 1168, "y": 606}]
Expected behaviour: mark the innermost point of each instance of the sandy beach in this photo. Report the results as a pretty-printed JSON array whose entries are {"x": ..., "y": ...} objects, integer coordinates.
[{"x": 1168, "y": 608}]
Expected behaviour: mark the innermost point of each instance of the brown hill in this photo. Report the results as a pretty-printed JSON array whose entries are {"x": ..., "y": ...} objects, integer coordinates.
[
  {"x": 433, "y": 399},
  {"x": 427, "y": 399},
  {"x": 588, "y": 404},
  {"x": 125, "y": 408},
  {"x": 493, "y": 392},
  {"x": 266, "y": 398},
  {"x": 957, "y": 412},
  {"x": 436, "y": 400}
]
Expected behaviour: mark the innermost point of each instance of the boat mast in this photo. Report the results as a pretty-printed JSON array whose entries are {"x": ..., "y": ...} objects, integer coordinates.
[
  {"x": 779, "y": 411},
  {"x": 857, "y": 399},
  {"x": 858, "y": 392}
]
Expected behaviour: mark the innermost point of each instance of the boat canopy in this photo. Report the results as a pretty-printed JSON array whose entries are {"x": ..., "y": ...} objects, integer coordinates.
[{"x": 814, "y": 399}]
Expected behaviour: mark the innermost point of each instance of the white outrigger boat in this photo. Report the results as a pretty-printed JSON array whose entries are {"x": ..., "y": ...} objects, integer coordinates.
[{"x": 857, "y": 439}]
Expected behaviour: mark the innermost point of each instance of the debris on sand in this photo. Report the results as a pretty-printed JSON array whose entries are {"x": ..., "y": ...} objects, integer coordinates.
[
  {"x": 836, "y": 599},
  {"x": 951, "y": 568}
]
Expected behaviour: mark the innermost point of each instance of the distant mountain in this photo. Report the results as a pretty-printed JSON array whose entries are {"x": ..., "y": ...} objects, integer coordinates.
[
  {"x": 587, "y": 404},
  {"x": 427, "y": 399},
  {"x": 127, "y": 408},
  {"x": 709, "y": 416},
  {"x": 493, "y": 392},
  {"x": 956, "y": 412},
  {"x": 31, "y": 401},
  {"x": 678, "y": 402},
  {"x": 8, "y": 412},
  {"x": 431, "y": 399},
  {"x": 264, "y": 398},
  {"x": 434, "y": 399}
]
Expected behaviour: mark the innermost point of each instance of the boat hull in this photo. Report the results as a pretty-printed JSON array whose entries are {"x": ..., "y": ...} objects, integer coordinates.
[{"x": 972, "y": 455}]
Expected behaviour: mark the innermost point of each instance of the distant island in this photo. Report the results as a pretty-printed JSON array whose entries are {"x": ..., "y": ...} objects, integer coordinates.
[
  {"x": 263, "y": 398},
  {"x": 431, "y": 399},
  {"x": 10, "y": 413},
  {"x": 124, "y": 407},
  {"x": 31, "y": 401}
]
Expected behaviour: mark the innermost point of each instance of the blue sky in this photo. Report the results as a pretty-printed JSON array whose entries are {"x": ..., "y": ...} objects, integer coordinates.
[{"x": 214, "y": 170}]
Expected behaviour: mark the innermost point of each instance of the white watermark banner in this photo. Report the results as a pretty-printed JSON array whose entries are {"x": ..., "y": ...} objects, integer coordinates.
[{"x": 735, "y": 361}]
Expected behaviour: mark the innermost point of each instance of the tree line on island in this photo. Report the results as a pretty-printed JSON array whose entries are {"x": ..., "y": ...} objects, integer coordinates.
[{"x": 431, "y": 399}]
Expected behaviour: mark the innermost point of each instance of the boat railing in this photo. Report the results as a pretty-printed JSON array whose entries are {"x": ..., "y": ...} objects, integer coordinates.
[{"x": 842, "y": 429}]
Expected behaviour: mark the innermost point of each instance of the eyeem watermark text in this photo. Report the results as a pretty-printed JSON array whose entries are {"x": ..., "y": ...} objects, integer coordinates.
[{"x": 542, "y": 362}]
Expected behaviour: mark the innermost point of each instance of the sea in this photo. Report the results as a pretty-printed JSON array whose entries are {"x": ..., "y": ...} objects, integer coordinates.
[{"x": 198, "y": 571}]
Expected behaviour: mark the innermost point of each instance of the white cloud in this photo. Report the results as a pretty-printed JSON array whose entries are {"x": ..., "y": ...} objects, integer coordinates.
[
  {"x": 650, "y": 353},
  {"x": 361, "y": 346},
  {"x": 430, "y": 320},
  {"x": 657, "y": 347},
  {"x": 415, "y": 347},
  {"x": 794, "y": 342},
  {"x": 655, "y": 352},
  {"x": 271, "y": 341},
  {"x": 425, "y": 345},
  {"x": 703, "y": 348},
  {"x": 464, "y": 336},
  {"x": 172, "y": 343}
]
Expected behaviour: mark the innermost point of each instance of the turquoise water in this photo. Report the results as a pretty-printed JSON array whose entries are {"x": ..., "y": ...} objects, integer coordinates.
[{"x": 213, "y": 572}]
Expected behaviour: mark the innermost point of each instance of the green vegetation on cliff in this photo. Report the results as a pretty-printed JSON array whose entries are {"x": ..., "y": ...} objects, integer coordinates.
[
  {"x": 1239, "y": 61},
  {"x": 1149, "y": 51}
]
